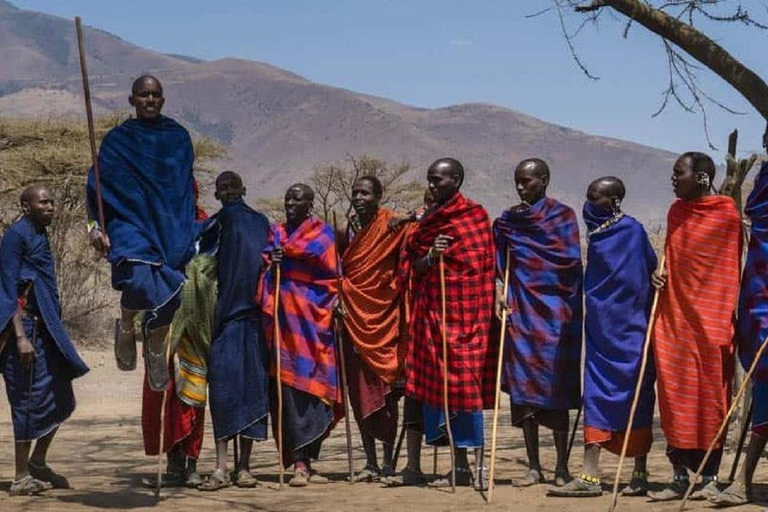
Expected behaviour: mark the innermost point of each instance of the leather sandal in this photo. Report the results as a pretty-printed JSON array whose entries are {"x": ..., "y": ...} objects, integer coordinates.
[
  {"x": 125, "y": 348},
  {"x": 28, "y": 486}
]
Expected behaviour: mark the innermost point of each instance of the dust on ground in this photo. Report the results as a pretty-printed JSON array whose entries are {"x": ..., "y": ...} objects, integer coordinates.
[{"x": 100, "y": 450}]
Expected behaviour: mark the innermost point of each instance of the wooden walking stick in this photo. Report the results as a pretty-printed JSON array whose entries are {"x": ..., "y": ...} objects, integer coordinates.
[
  {"x": 573, "y": 432},
  {"x": 340, "y": 357},
  {"x": 742, "y": 440},
  {"x": 499, "y": 368},
  {"x": 163, "y": 402},
  {"x": 446, "y": 410},
  {"x": 638, "y": 387},
  {"x": 91, "y": 130},
  {"x": 434, "y": 460},
  {"x": 398, "y": 447},
  {"x": 724, "y": 424},
  {"x": 278, "y": 372}
]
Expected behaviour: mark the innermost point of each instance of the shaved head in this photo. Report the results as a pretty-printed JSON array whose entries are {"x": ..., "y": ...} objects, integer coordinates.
[
  {"x": 141, "y": 80},
  {"x": 230, "y": 177},
  {"x": 30, "y": 193},
  {"x": 610, "y": 186},
  {"x": 445, "y": 177},
  {"x": 306, "y": 191},
  {"x": 450, "y": 166},
  {"x": 538, "y": 166}
]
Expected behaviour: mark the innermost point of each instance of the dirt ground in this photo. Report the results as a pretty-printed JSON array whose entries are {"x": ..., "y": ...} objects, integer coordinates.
[{"x": 100, "y": 450}]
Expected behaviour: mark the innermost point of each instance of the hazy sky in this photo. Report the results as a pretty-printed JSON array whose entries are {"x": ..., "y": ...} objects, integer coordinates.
[{"x": 433, "y": 53}]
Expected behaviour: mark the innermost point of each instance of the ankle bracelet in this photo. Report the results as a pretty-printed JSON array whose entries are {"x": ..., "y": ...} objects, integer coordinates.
[{"x": 589, "y": 479}]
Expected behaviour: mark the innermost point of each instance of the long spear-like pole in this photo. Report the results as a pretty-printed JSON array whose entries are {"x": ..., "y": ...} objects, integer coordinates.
[
  {"x": 91, "y": 130},
  {"x": 279, "y": 375},
  {"x": 499, "y": 369},
  {"x": 446, "y": 408},
  {"x": 724, "y": 424},
  {"x": 340, "y": 356},
  {"x": 638, "y": 387}
]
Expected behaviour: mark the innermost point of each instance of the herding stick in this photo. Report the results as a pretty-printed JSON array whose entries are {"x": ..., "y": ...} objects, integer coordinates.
[
  {"x": 278, "y": 372},
  {"x": 340, "y": 356},
  {"x": 398, "y": 446},
  {"x": 446, "y": 410},
  {"x": 573, "y": 432},
  {"x": 91, "y": 130},
  {"x": 168, "y": 339},
  {"x": 636, "y": 399},
  {"x": 499, "y": 368},
  {"x": 742, "y": 440},
  {"x": 724, "y": 424}
]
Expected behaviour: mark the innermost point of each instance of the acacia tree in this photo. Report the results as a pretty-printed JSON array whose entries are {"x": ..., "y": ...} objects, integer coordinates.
[{"x": 675, "y": 21}]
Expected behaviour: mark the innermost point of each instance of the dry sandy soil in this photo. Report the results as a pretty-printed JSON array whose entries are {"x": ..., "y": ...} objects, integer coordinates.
[{"x": 100, "y": 451}]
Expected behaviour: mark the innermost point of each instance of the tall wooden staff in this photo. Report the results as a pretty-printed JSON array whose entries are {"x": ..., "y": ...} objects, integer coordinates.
[
  {"x": 446, "y": 409},
  {"x": 163, "y": 402},
  {"x": 742, "y": 439},
  {"x": 499, "y": 368},
  {"x": 573, "y": 432},
  {"x": 340, "y": 356},
  {"x": 724, "y": 424},
  {"x": 278, "y": 371},
  {"x": 91, "y": 130},
  {"x": 633, "y": 409}
]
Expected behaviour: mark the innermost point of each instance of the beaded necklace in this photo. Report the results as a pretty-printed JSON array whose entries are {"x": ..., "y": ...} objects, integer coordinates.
[{"x": 605, "y": 225}]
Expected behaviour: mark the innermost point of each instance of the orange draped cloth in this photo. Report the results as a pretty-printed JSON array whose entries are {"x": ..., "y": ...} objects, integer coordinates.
[
  {"x": 693, "y": 334},
  {"x": 640, "y": 440},
  {"x": 371, "y": 295}
]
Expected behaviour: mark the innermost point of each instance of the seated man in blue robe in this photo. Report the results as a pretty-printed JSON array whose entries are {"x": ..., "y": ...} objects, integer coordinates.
[
  {"x": 237, "y": 367},
  {"x": 37, "y": 358},
  {"x": 147, "y": 187}
]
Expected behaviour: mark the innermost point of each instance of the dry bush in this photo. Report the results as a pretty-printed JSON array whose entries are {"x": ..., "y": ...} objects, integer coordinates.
[
  {"x": 333, "y": 185},
  {"x": 57, "y": 153}
]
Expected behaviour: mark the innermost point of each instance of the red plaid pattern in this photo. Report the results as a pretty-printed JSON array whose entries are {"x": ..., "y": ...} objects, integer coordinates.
[{"x": 469, "y": 290}]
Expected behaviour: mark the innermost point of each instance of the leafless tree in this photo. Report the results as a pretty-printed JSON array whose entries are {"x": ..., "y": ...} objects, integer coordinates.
[{"x": 676, "y": 22}]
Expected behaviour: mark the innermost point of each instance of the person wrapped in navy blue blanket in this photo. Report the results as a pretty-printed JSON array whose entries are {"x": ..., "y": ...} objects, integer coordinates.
[
  {"x": 37, "y": 359},
  {"x": 238, "y": 375},
  {"x": 151, "y": 231}
]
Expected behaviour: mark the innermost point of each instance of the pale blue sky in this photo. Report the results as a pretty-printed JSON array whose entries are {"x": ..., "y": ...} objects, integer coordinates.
[{"x": 433, "y": 53}]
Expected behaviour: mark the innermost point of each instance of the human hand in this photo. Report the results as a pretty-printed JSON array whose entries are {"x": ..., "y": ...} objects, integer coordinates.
[
  {"x": 277, "y": 255},
  {"x": 26, "y": 351},
  {"x": 501, "y": 306},
  {"x": 659, "y": 279},
  {"x": 100, "y": 242},
  {"x": 441, "y": 243}
]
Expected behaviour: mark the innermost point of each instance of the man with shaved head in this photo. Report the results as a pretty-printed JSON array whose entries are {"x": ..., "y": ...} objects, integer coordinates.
[
  {"x": 238, "y": 359},
  {"x": 454, "y": 234},
  {"x": 620, "y": 261},
  {"x": 693, "y": 332},
  {"x": 37, "y": 359},
  {"x": 303, "y": 247},
  {"x": 540, "y": 237},
  {"x": 150, "y": 212}
]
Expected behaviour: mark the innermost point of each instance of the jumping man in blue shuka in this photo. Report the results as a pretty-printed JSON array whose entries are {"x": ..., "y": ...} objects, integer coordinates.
[{"x": 38, "y": 367}]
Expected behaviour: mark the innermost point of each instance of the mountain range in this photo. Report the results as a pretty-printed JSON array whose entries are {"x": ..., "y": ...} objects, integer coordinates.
[{"x": 278, "y": 126}]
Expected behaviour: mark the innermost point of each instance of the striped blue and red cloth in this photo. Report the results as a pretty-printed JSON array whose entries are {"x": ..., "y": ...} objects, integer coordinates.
[
  {"x": 544, "y": 329},
  {"x": 308, "y": 293},
  {"x": 752, "y": 328}
]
